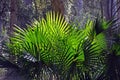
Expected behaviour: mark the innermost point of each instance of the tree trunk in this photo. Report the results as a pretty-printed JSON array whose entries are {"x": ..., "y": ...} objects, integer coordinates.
[
  {"x": 36, "y": 10},
  {"x": 108, "y": 9},
  {"x": 13, "y": 14},
  {"x": 105, "y": 5},
  {"x": 58, "y": 6},
  {"x": 118, "y": 7}
]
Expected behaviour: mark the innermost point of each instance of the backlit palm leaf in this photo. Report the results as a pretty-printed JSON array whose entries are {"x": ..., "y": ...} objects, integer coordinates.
[{"x": 69, "y": 52}]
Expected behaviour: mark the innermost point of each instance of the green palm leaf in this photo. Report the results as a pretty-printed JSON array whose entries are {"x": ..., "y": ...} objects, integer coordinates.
[{"x": 71, "y": 53}]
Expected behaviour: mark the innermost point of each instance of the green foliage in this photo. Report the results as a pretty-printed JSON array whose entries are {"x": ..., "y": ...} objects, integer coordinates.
[{"x": 65, "y": 51}]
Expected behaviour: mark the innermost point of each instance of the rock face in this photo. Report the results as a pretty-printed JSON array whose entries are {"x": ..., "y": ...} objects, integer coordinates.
[{"x": 10, "y": 74}]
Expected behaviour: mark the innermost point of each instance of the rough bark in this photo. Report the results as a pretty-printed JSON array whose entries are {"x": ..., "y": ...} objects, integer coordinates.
[
  {"x": 108, "y": 9},
  {"x": 13, "y": 14},
  {"x": 118, "y": 6},
  {"x": 58, "y": 6}
]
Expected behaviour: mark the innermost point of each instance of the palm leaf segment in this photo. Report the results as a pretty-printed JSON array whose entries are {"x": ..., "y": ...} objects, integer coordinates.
[{"x": 55, "y": 43}]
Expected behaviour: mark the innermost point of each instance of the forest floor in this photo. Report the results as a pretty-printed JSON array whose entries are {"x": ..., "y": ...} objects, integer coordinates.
[{"x": 10, "y": 74}]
